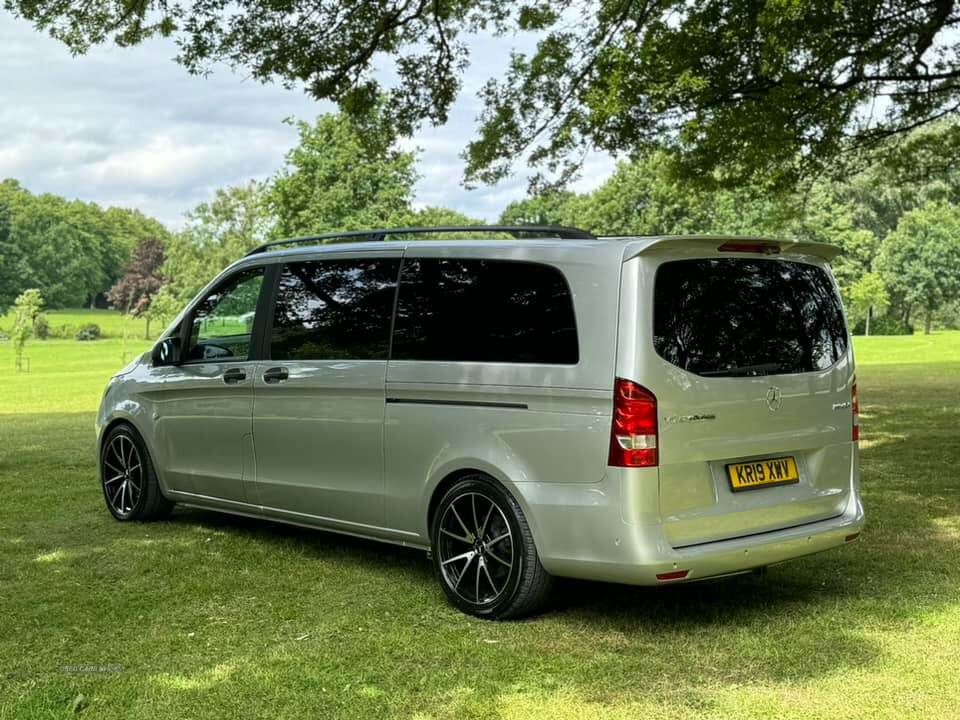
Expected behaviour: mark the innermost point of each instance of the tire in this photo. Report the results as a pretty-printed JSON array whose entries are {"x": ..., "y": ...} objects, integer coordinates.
[
  {"x": 129, "y": 482},
  {"x": 483, "y": 552}
]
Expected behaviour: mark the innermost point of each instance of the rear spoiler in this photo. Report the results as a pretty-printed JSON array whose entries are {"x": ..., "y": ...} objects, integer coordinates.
[{"x": 733, "y": 244}]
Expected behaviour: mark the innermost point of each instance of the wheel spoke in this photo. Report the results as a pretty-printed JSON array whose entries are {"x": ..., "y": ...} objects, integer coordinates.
[
  {"x": 463, "y": 572},
  {"x": 461, "y": 538},
  {"x": 133, "y": 449},
  {"x": 113, "y": 479},
  {"x": 466, "y": 531},
  {"x": 498, "y": 539},
  {"x": 483, "y": 529},
  {"x": 112, "y": 466},
  {"x": 493, "y": 585},
  {"x": 477, "y": 590},
  {"x": 468, "y": 555},
  {"x": 496, "y": 557},
  {"x": 118, "y": 451},
  {"x": 116, "y": 495},
  {"x": 473, "y": 507}
]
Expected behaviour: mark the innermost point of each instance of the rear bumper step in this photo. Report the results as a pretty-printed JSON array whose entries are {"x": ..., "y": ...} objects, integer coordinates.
[{"x": 757, "y": 534}]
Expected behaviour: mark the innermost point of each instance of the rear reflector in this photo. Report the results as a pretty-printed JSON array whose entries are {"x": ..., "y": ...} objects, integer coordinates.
[
  {"x": 675, "y": 575},
  {"x": 855, "y": 404},
  {"x": 633, "y": 435},
  {"x": 750, "y": 247},
  {"x": 851, "y": 538}
]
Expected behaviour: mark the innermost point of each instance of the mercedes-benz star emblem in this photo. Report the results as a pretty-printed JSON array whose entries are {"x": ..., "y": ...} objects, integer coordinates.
[{"x": 774, "y": 398}]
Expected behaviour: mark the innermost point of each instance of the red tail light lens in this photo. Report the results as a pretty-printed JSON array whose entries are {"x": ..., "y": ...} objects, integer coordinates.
[
  {"x": 855, "y": 404},
  {"x": 633, "y": 437}
]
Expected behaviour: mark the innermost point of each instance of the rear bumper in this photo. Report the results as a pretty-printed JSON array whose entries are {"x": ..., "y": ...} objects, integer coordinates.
[{"x": 593, "y": 541}]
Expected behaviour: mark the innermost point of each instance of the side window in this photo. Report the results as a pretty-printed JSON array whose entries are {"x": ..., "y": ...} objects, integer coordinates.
[
  {"x": 465, "y": 310},
  {"x": 223, "y": 320},
  {"x": 334, "y": 309}
]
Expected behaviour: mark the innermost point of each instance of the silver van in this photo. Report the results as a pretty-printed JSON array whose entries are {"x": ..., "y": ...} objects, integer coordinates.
[{"x": 644, "y": 410}]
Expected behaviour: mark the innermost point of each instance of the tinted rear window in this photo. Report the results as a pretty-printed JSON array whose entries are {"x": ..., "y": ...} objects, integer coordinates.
[
  {"x": 465, "y": 310},
  {"x": 735, "y": 317},
  {"x": 334, "y": 309}
]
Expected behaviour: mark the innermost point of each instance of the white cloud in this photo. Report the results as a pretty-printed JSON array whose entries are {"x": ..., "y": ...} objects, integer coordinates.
[{"x": 130, "y": 127}]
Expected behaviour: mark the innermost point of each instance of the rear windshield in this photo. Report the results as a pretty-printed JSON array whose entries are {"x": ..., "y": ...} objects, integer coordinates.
[{"x": 738, "y": 317}]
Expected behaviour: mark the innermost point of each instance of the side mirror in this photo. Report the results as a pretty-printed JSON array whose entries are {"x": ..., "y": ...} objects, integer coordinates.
[{"x": 166, "y": 352}]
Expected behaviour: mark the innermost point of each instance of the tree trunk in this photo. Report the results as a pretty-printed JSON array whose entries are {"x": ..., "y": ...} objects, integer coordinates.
[
  {"x": 146, "y": 335},
  {"x": 928, "y": 322},
  {"x": 866, "y": 330}
]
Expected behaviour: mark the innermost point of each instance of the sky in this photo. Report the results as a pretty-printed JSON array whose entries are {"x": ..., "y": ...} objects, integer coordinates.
[{"x": 130, "y": 127}]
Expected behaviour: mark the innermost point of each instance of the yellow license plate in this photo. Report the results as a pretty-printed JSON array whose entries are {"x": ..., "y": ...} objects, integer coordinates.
[{"x": 763, "y": 473}]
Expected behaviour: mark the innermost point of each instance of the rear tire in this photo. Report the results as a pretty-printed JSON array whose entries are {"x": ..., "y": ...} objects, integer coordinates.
[
  {"x": 129, "y": 482},
  {"x": 484, "y": 554}
]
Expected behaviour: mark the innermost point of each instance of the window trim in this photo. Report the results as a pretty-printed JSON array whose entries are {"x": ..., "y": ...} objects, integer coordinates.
[
  {"x": 551, "y": 266},
  {"x": 256, "y": 330}
]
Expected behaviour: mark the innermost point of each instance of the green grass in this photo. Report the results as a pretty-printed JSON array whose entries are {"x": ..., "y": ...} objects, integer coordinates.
[
  {"x": 65, "y": 323},
  {"x": 208, "y": 616}
]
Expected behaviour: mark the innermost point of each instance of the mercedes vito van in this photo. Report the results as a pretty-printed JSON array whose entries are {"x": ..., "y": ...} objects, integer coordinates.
[{"x": 643, "y": 410}]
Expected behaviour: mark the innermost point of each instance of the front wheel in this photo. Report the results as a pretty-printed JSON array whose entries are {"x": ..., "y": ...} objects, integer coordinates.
[
  {"x": 483, "y": 551},
  {"x": 130, "y": 486}
]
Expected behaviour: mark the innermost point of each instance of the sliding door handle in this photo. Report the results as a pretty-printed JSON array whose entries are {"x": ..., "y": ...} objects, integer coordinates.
[
  {"x": 275, "y": 375},
  {"x": 234, "y": 376}
]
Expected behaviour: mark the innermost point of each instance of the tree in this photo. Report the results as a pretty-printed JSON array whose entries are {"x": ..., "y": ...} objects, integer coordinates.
[
  {"x": 868, "y": 296},
  {"x": 757, "y": 90},
  {"x": 8, "y": 259},
  {"x": 344, "y": 174},
  {"x": 73, "y": 251},
  {"x": 216, "y": 234},
  {"x": 26, "y": 309},
  {"x": 548, "y": 208},
  {"x": 433, "y": 216},
  {"x": 920, "y": 261},
  {"x": 141, "y": 280}
]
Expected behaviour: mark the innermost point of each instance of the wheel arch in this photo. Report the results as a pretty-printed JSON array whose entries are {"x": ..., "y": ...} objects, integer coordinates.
[
  {"x": 452, "y": 476},
  {"x": 126, "y": 419}
]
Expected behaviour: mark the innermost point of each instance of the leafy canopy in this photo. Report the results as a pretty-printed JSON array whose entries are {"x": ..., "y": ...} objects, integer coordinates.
[
  {"x": 345, "y": 173},
  {"x": 765, "y": 90}
]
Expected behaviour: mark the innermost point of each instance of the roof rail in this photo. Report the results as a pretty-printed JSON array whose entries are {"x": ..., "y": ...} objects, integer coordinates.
[{"x": 552, "y": 231}]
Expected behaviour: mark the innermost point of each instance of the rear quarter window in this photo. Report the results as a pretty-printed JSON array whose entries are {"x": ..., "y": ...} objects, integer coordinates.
[{"x": 746, "y": 317}]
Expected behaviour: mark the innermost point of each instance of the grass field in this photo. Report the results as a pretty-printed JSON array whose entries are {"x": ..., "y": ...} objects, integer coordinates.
[
  {"x": 65, "y": 323},
  {"x": 207, "y": 616}
]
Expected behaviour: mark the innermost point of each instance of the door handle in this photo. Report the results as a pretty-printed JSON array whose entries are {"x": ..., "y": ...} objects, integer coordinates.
[
  {"x": 275, "y": 375},
  {"x": 234, "y": 376}
]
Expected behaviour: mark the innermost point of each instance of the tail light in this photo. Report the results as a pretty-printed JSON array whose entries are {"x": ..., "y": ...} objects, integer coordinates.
[
  {"x": 764, "y": 248},
  {"x": 633, "y": 437},
  {"x": 854, "y": 403}
]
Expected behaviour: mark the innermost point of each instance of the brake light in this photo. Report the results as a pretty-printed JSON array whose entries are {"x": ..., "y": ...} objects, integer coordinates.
[
  {"x": 854, "y": 403},
  {"x": 633, "y": 436},
  {"x": 751, "y": 247}
]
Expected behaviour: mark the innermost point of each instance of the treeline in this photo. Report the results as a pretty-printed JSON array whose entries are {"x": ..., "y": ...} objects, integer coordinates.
[
  {"x": 72, "y": 251},
  {"x": 897, "y": 221}
]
